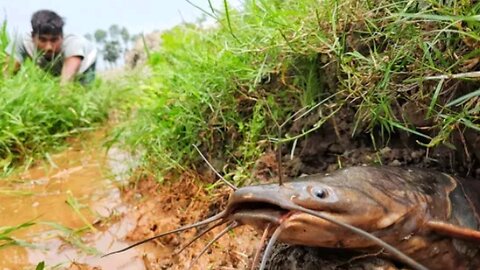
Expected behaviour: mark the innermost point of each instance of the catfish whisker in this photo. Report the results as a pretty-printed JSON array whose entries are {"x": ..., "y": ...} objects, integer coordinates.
[
  {"x": 200, "y": 234},
  {"x": 232, "y": 186},
  {"x": 232, "y": 225},
  {"x": 261, "y": 244},
  {"x": 269, "y": 248},
  {"x": 183, "y": 228},
  {"x": 400, "y": 255}
]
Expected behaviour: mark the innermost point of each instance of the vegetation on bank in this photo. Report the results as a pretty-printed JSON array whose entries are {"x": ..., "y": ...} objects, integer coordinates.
[
  {"x": 400, "y": 65},
  {"x": 37, "y": 115}
]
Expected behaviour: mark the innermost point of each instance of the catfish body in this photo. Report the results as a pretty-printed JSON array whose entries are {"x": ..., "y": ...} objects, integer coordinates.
[
  {"x": 437, "y": 236},
  {"x": 442, "y": 239},
  {"x": 430, "y": 216}
]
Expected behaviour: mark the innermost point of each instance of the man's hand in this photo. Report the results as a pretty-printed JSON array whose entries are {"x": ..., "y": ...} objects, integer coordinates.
[{"x": 71, "y": 65}]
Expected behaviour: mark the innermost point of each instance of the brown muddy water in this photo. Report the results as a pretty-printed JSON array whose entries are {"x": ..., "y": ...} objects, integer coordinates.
[{"x": 85, "y": 173}]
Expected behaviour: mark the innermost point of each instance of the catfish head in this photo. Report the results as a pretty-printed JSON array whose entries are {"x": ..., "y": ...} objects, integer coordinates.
[{"x": 363, "y": 197}]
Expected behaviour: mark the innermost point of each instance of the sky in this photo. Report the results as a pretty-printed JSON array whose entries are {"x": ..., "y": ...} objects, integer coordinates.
[{"x": 89, "y": 15}]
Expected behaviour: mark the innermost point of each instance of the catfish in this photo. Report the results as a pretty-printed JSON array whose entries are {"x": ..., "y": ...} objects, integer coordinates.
[{"x": 422, "y": 218}]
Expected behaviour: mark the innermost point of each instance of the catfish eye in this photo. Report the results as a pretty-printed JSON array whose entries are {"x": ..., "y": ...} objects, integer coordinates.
[{"x": 320, "y": 193}]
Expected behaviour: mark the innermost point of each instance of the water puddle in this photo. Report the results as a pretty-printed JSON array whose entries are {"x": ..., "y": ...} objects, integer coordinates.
[{"x": 75, "y": 189}]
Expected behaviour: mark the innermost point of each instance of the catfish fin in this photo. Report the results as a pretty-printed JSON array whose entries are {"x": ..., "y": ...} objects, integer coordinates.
[{"x": 454, "y": 231}]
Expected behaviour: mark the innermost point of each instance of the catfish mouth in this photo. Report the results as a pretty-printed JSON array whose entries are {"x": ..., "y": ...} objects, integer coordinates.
[
  {"x": 258, "y": 212},
  {"x": 276, "y": 206},
  {"x": 256, "y": 205}
]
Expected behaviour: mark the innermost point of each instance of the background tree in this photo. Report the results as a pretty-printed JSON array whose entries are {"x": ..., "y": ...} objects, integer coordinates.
[
  {"x": 100, "y": 35},
  {"x": 114, "y": 31},
  {"x": 111, "y": 43},
  {"x": 111, "y": 52}
]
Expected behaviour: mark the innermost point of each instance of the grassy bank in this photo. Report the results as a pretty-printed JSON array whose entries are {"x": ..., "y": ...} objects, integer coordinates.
[
  {"x": 37, "y": 115},
  {"x": 401, "y": 66}
]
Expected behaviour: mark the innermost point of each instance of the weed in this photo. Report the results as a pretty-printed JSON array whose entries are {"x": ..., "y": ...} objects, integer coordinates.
[{"x": 76, "y": 207}]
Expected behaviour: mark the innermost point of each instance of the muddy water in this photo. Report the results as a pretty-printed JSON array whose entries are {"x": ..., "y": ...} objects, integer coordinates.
[{"x": 85, "y": 173}]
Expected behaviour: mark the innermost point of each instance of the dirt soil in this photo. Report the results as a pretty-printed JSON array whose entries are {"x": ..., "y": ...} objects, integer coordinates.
[{"x": 164, "y": 207}]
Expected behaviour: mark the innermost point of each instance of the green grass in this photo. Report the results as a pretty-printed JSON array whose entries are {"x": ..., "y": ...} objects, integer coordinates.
[
  {"x": 71, "y": 236},
  {"x": 212, "y": 86},
  {"x": 37, "y": 115},
  {"x": 6, "y": 238},
  {"x": 77, "y": 207}
]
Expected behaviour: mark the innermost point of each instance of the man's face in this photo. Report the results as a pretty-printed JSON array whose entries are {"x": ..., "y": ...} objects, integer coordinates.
[{"x": 49, "y": 45}]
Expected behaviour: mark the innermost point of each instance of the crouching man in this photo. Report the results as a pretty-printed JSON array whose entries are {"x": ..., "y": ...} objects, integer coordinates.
[{"x": 71, "y": 57}]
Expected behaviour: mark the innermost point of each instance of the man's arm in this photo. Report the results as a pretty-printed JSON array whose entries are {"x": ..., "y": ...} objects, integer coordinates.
[{"x": 71, "y": 65}]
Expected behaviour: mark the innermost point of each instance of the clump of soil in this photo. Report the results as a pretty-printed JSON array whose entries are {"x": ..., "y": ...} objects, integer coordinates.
[{"x": 336, "y": 145}]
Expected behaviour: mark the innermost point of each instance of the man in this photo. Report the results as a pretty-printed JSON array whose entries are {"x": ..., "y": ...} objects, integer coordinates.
[{"x": 70, "y": 57}]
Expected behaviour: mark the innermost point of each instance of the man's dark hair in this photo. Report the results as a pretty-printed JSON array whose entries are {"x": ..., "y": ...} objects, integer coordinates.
[{"x": 47, "y": 22}]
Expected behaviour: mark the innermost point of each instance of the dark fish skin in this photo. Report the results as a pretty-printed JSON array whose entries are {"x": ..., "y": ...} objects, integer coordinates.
[{"x": 428, "y": 215}]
